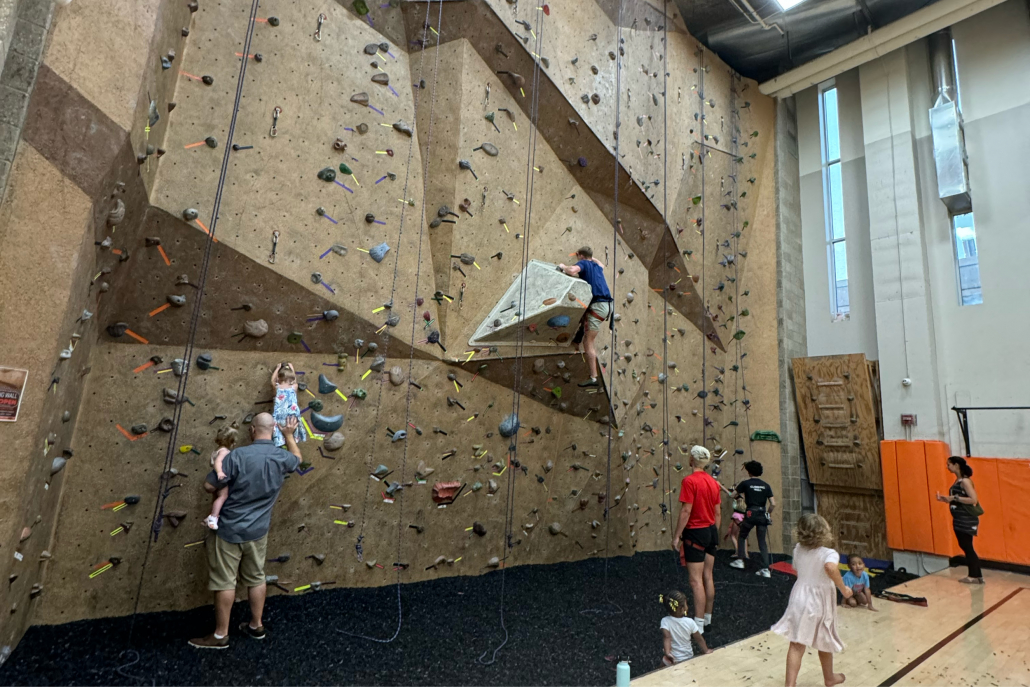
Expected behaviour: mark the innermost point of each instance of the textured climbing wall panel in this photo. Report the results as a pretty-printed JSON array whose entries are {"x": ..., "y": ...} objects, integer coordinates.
[{"x": 682, "y": 206}]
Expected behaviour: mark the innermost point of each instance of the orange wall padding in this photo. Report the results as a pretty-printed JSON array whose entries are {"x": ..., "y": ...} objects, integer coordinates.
[
  {"x": 939, "y": 481},
  {"x": 1013, "y": 478},
  {"x": 914, "y": 472},
  {"x": 891, "y": 500},
  {"x": 914, "y": 495}
]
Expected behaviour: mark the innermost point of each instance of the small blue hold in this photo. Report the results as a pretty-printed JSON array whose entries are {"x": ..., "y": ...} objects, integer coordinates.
[
  {"x": 399, "y": 435},
  {"x": 379, "y": 252},
  {"x": 509, "y": 426},
  {"x": 166, "y": 63},
  {"x": 326, "y": 423},
  {"x": 558, "y": 321}
]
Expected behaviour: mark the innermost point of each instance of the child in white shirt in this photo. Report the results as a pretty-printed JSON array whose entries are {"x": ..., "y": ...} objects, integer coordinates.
[{"x": 678, "y": 629}]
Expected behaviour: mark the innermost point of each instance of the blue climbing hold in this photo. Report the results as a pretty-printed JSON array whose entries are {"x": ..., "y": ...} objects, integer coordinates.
[
  {"x": 558, "y": 321},
  {"x": 324, "y": 423},
  {"x": 379, "y": 252},
  {"x": 324, "y": 385},
  {"x": 509, "y": 426}
]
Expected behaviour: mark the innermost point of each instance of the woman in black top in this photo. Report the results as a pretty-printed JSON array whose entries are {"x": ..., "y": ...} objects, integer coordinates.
[
  {"x": 961, "y": 497},
  {"x": 759, "y": 502}
]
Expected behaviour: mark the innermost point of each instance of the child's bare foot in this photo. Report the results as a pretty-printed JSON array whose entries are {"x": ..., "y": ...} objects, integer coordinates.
[{"x": 838, "y": 678}]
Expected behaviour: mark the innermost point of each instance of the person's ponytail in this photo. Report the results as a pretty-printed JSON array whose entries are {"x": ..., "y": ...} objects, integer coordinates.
[{"x": 963, "y": 467}]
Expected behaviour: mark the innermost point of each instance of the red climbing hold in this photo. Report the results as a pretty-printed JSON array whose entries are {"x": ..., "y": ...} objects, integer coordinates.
[{"x": 547, "y": 10}]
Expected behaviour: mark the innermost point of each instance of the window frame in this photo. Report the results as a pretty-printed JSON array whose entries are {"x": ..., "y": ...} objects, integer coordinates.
[
  {"x": 969, "y": 261},
  {"x": 836, "y": 309}
]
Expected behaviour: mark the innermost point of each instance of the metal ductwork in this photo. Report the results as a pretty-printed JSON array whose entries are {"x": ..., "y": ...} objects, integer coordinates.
[{"x": 949, "y": 145}]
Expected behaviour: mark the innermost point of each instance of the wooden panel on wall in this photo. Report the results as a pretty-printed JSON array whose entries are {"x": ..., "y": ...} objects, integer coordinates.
[
  {"x": 857, "y": 519},
  {"x": 838, "y": 421}
]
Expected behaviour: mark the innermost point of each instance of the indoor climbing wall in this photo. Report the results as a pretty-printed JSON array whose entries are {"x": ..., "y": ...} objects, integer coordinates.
[{"x": 360, "y": 190}]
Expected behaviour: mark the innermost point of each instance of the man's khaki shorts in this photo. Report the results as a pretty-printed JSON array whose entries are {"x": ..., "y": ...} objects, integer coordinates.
[
  {"x": 225, "y": 559},
  {"x": 602, "y": 309}
]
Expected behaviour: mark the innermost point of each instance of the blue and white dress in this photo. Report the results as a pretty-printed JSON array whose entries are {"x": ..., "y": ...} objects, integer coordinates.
[{"x": 285, "y": 406}]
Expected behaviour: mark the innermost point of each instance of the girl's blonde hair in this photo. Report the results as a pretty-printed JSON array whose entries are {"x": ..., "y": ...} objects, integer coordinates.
[
  {"x": 226, "y": 436},
  {"x": 813, "y": 531}
]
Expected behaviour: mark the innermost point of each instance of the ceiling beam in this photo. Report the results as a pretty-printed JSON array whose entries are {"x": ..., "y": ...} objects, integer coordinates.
[{"x": 919, "y": 24}]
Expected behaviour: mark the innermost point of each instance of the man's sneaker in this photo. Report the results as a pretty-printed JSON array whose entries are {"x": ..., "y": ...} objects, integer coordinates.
[
  {"x": 764, "y": 572},
  {"x": 246, "y": 629},
  {"x": 737, "y": 563},
  {"x": 590, "y": 382},
  {"x": 210, "y": 642}
]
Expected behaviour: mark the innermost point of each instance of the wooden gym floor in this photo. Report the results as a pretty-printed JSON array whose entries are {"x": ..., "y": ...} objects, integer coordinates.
[{"x": 966, "y": 636}]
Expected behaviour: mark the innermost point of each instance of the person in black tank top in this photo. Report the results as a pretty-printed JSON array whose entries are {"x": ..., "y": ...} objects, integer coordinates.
[{"x": 963, "y": 502}]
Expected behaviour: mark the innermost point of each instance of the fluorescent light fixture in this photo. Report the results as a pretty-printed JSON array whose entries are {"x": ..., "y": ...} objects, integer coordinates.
[{"x": 788, "y": 4}]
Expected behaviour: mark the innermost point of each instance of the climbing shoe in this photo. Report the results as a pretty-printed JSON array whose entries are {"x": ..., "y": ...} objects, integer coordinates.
[
  {"x": 246, "y": 629},
  {"x": 737, "y": 563},
  {"x": 590, "y": 382},
  {"x": 210, "y": 642},
  {"x": 764, "y": 572}
]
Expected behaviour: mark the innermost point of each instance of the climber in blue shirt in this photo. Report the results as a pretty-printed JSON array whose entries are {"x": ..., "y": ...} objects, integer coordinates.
[{"x": 591, "y": 270}]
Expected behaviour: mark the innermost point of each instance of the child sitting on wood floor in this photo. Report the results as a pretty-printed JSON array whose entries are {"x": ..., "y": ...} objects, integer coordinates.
[
  {"x": 678, "y": 630},
  {"x": 857, "y": 580}
]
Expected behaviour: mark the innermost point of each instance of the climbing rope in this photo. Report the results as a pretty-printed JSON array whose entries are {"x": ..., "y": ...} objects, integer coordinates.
[
  {"x": 411, "y": 351},
  {"x": 516, "y": 401},
  {"x": 163, "y": 483},
  {"x": 735, "y": 139},
  {"x": 666, "y": 505},
  {"x": 706, "y": 316}
]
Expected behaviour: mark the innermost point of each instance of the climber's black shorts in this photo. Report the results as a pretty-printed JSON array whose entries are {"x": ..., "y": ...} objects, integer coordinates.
[{"x": 697, "y": 543}]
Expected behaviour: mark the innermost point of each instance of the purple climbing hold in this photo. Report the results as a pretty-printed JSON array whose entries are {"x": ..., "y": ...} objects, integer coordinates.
[{"x": 582, "y": 162}]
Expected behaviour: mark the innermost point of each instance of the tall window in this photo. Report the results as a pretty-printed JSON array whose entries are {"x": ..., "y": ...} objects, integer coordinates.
[
  {"x": 833, "y": 201},
  {"x": 966, "y": 259}
]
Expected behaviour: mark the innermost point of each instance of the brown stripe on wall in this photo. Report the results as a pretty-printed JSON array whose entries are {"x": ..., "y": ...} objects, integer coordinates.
[{"x": 71, "y": 132}]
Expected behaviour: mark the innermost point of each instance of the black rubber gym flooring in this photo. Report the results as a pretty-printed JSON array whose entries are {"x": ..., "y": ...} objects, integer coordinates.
[{"x": 562, "y": 630}]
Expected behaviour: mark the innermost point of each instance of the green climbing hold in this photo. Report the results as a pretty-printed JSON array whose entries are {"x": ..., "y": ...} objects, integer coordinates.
[
  {"x": 765, "y": 435},
  {"x": 556, "y": 392},
  {"x": 316, "y": 405},
  {"x": 360, "y": 7},
  {"x": 739, "y": 334},
  {"x": 696, "y": 200},
  {"x": 359, "y": 393},
  {"x": 344, "y": 169},
  {"x": 327, "y": 174}
]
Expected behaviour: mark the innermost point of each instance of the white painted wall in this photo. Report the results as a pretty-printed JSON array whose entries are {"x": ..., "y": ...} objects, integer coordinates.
[{"x": 904, "y": 293}]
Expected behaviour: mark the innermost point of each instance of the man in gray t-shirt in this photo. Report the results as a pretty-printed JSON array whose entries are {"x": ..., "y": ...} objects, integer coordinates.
[{"x": 254, "y": 475}]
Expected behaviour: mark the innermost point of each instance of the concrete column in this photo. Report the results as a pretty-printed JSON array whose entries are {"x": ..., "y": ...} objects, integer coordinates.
[
  {"x": 790, "y": 305},
  {"x": 904, "y": 316}
]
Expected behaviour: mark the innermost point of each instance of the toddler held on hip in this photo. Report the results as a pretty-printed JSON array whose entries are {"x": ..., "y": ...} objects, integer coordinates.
[
  {"x": 284, "y": 382},
  {"x": 857, "y": 580},
  {"x": 811, "y": 616},
  {"x": 226, "y": 441},
  {"x": 678, "y": 630}
]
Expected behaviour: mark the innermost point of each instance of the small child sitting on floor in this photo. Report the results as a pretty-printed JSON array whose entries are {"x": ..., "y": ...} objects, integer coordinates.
[
  {"x": 226, "y": 440},
  {"x": 857, "y": 580},
  {"x": 284, "y": 382},
  {"x": 678, "y": 630}
]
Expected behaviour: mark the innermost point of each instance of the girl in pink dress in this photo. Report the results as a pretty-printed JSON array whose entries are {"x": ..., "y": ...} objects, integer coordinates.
[{"x": 811, "y": 616}]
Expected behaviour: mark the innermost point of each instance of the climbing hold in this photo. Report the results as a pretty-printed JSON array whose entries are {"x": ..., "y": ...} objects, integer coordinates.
[
  {"x": 117, "y": 213},
  {"x": 324, "y": 423},
  {"x": 403, "y": 127},
  {"x": 558, "y": 321},
  {"x": 362, "y": 128},
  {"x": 190, "y": 214},
  {"x": 493, "y": 562},
  {"x": 138, "y": 429},
  {"x": 340, "y": 144},
  {"x": 492, "y": 486},
  {"x": 630, "y": 297},
  {"x": 177, "y": 301},
  {"x": 582, "y": 162},
  {"x": 554, "y": 528},
  {"x": 509, "y": 426},
  {"x": 422, "y": 472},
  {"x": 360, "y": 8},
  {"x": 371, "y": 49},
  {"x": 204, "y": 361},
  {"x": 489, "y": 148},
  {"x": 379, "y": 364},
  {"x": 381, "y": 78},
  {"x": 324, "y": 385},
  {"x": 211, "y": 142},
  {"x": 360, "y": 99},
  {"x": 377, "y": 253},
  {"x": 399, "y": 435},
  {"x": 208, "y": 80},
  {"x": 57, "y": 465},
  {"x": 327, "y": 174},
  {"x": 294, "y": 337},
  {"x": 255, "y": 328},
  {"x": 166, "y": 424},
  {"x": 595, "y": 99},
  {"x": 333, "y": 442},
  {"x": 330, "y": 315},
  {"x": 316, "y": 277},
  {"x": 117, "y": 329},
  {"x": 344, "y": 169},
  {"x": 273, "y": 21},
  {"x": 316, "y": 405},
  {"x": 393, "y": 320},
  {"x": 479, "y": 528},
  {"x": 396, "y": 376}
]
